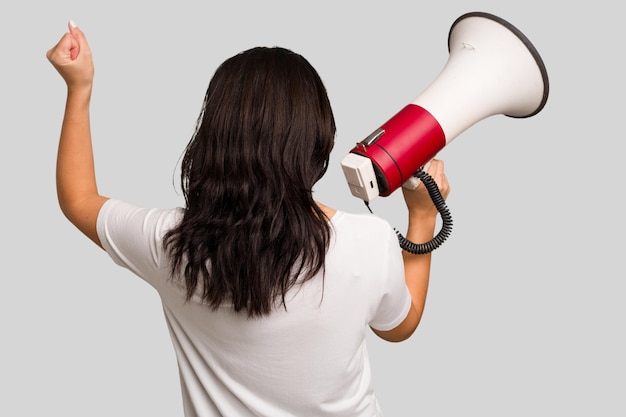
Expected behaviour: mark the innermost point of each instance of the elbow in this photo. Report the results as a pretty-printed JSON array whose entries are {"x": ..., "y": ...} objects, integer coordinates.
[
  {"x": 69, "y": 209},
  {"x": 404, "y": 330}
]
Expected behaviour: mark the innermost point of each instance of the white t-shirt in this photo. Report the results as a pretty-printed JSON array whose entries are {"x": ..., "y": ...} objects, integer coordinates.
[{"x": 310, "y": 360}]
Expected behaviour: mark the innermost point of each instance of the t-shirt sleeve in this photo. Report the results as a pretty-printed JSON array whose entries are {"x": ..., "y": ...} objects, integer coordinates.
[
  {"x": 395, "y": 302},
  {"x": 132, "y": 236}
]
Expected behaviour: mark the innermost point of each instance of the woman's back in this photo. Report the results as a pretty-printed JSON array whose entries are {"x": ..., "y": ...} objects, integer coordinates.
[{"x": 306, "y": 358}]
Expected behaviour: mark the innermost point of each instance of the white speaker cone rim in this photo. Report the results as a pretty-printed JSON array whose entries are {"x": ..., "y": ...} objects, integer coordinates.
[{"x": 529, "y": 45}]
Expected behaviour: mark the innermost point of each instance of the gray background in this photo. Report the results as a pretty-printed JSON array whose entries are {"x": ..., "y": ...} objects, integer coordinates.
[{"x": 525, "y": 314}]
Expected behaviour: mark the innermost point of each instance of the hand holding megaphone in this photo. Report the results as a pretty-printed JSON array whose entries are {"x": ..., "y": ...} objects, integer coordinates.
[{"x": 417, "y": 199}]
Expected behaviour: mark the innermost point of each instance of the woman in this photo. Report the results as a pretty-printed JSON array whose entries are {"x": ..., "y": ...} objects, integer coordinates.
[{"x": 267, "y": 293}]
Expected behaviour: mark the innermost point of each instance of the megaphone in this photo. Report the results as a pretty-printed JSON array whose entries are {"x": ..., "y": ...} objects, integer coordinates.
[{"x": 492, "y": 69}]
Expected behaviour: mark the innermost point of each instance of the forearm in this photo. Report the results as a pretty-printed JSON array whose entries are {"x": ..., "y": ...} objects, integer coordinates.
[
  {"x": 75, "y": 172},
  {"x": 417, "y": 267}
]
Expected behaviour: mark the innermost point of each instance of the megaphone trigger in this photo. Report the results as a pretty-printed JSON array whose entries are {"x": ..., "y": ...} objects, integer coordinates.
[{"x": 414, "y": 182}]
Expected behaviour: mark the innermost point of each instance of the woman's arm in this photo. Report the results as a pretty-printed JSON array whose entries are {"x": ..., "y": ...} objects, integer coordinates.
[
  {"x": 422, "y": 219},
  {"x": 75, "y": 174}
]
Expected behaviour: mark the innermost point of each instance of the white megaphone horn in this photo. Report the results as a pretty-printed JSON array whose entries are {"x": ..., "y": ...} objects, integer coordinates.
[{"x": 492, "y": 69}]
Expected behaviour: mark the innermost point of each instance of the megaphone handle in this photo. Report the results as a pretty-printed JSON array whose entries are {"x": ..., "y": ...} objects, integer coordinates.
[
  {"x": 414, "y": 182},
  {"x": 440, "y": 204}
]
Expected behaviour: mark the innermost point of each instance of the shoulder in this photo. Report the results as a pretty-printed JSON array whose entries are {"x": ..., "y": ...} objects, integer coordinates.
[
  {"x": 124, "y": 224},
  {"x": 364, "y": 235},
  {"x": 363, "y": 221},
  {"x": 133, "y": 236}
]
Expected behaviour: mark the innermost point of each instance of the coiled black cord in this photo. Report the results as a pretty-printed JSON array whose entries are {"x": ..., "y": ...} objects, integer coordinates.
[{"x": 440, "y": 204}]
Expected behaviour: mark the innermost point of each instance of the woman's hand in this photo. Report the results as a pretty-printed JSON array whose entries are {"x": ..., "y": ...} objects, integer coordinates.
[
  {"x": 71, "y": 57},
  {"x": 418, "y": 201}
]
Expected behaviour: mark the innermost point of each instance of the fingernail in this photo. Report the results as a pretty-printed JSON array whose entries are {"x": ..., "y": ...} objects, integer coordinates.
[{"x": 72, "y": 24}]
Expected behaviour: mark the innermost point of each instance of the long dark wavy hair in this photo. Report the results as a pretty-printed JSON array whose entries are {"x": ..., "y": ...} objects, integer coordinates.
[{"x": 251, "y": 227}]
